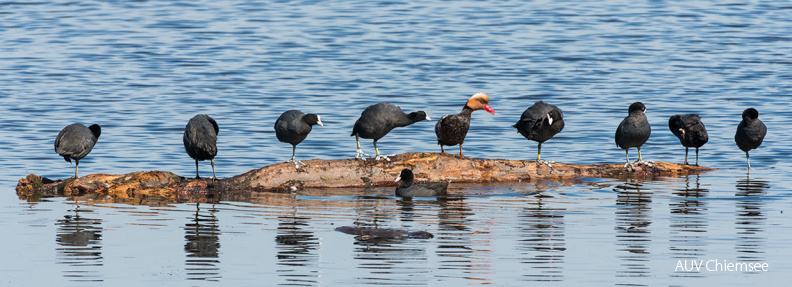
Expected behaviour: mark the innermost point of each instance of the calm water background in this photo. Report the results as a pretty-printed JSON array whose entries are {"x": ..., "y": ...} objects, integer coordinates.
[{"x": 142, "y": 69}]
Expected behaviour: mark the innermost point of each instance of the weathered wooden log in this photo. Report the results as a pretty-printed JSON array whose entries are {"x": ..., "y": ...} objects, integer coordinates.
[{"x": 283, "y": 177}]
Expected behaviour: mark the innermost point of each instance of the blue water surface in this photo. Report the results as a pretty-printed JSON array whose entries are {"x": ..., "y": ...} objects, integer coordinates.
[{"x": 142, "y": 69}]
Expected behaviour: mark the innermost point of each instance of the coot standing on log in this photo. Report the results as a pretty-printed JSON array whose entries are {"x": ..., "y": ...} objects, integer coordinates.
[
  {"x": 378, "y": 120},
  {"x": 452, "y": 129},
  {"x": 293, "y": 127},
  {"x": 539, "y": 123},
  {"x": 76, "y": 141},
  {"x": 407, "y": 189},
  {"x": 634, "y": 131},
  {"x": 200, "y": 140},
  {"x": 750, "y": 132},
  {"x": 690, "y": 130}
]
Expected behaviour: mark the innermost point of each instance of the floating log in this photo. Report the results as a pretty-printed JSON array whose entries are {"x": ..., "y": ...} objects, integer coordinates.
[{"x": 283, "y": 177}]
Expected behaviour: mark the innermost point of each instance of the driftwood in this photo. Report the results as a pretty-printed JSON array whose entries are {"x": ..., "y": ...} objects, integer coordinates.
[{"x": 283, "y": 177}]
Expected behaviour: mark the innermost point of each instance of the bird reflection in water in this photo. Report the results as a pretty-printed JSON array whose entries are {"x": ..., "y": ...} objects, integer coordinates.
[
  {"x": 79, "y": 246},
  {"x": 407, "y": 208},
  {"x": 297, "y": 249},
  {"x": 202, "y": 234},
  {"x": 689, "y": 223},
  {"x": 455, "y": 242},
  {"x": 633, "y": 219},
  {"x": 409, "y": 212},
  {"x": 383, "y": 259},
  {"x": 751, "y": 218},
  {"x": 542, "y": 230}
]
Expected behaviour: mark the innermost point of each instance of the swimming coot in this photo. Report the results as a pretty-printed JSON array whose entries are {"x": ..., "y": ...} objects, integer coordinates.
[
  {"x": 378, "y": 120},
  {"x": 633, "y": 131},
  {"x": 539, "y": 123},
  {"x": 452, "y": 129},
  {"x": 690, "y": 130},
  {"x": 200, "y": 140},
  {"x": 750, "y": 132},
  {"x": 407, "y": 189},
  {"x": 293, "y": 127},
  {"x": 76, "y": 141}
]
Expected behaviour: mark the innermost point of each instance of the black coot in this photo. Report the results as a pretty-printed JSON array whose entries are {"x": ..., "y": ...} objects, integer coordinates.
[
  {"x": 452, "y": 129},
  {"x": 750, "y": 132},
  {"x": 407, "y": 189},
  {"x": 539, "y": 123},
  {"x": 378, "y": 120},
  {"x": 76, "y": 141},
  {"x": 200, "y": 140},
  {"x": 633, "y": 131},
  {"x": 690, "y": 130},
  {"x": 293, "y": 127}
]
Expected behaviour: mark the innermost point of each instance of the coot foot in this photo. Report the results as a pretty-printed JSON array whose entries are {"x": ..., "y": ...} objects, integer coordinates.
[
  {"x": 631, "y": 165},
  {"x": 545, "y": 162},
  {"x": 359, "y": 154},
  {"x": 382, "y": 156},
  {"x": 297, "y": 163},
  {"x": 649, "y": 163}
]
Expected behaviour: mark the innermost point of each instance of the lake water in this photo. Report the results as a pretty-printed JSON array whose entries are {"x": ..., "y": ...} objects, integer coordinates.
[{"x": 142, "y": 69}]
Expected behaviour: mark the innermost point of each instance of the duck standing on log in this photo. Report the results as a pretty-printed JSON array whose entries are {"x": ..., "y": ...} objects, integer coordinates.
[
  {"x": 293, "y": 127},
  {"x": 690, "y": 131},
  {"x": 452, "y": 129},
  {"x": 750, "y": 132},
  {"x": 378, "y": 120},
  {"x": 200, "y": 140},
  {"x": 634, "y": 131},
  {"x": 539, "y": 123},
  {"x": 76, "y": 141}
]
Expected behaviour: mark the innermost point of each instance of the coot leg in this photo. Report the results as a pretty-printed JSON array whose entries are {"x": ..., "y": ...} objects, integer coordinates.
[
  {"x": 686, "y": 154},
  {"x": 640, "y": 161},
  {"x": 697, "y": 156},
  {"x": 628, "y": 165},
  {"x": 214, "y": 177},
  {"x": 296, "y": 162},
  {"x": 380, "y": 156},
  {"x": 539, "y": 161},
  {"x": 627, "y": 154},
  {"x": 639, "y": 154},
  {"x": 747, "y": 158},
  {"x": 196, "y": 170},
  {"x": 359, "y": 152}
]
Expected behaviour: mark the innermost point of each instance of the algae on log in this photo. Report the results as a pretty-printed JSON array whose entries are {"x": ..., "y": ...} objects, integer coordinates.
[{"x": 282, "y": 177}]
